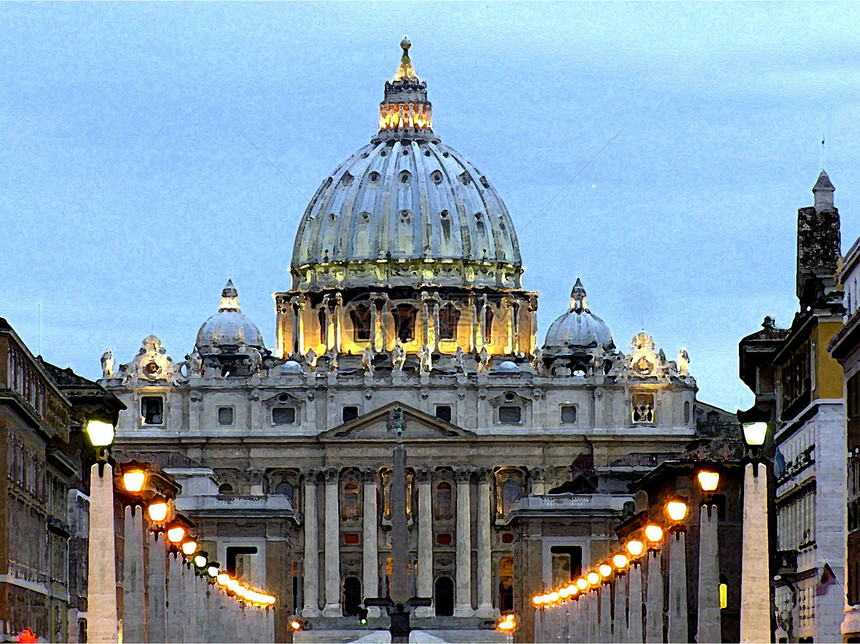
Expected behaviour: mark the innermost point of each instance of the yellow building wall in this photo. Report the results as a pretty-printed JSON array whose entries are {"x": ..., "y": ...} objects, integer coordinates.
[{"x": 828, "y": 382}]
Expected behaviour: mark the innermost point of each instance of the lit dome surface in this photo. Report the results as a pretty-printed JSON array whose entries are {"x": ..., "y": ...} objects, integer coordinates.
[
  {"x": 229, "y": 327},
  {"x": 577, "y": 329}
]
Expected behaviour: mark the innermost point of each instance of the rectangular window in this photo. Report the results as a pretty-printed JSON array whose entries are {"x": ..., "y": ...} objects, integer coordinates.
[
  {"x": 643, "y": 408},
  {"x": 350, "y": 412},
  {"x": 151, "y": 410},
  {"x": 443, "y": 412},
  {"x": 284, "y": 415},
  {"x": 225, "y": 415},
  {"x": 239, "y": 561},
  {"x": 510, "y": 415},
  {"x": 568, "y": 414}
]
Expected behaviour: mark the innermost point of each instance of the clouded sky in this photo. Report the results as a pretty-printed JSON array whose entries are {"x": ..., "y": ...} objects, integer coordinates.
[{"x": 128, "y": 192}]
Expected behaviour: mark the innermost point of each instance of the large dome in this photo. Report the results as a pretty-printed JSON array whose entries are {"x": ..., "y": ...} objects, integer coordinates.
[{"x": 406, "y": 209}]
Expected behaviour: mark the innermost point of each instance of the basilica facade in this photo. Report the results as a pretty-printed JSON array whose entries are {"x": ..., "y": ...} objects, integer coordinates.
[{"x": 406, "y": 301}]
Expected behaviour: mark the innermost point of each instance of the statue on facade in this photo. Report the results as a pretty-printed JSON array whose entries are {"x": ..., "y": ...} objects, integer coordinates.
[
  {"x": 398, "y": 356},
  {"x": 460, "y": 360},
  {"x": 107, "y": 364},
  {"x": 311, "y": 358},
  {"x": 537, "y": 360},
  {"x": 256, "y": 360},
  {"x": 426, "y": 357},
  {"x": 484, "y": 360},
  {"x": 332, "y": 359},
  {"x": 683, "y": 363},
  {"x": 367, "y": 359},
  {"x": 193, "y": 364}
]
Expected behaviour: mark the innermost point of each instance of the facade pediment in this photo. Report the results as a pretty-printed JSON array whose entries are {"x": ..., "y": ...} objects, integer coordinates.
[{"x": 377, "y": 426}]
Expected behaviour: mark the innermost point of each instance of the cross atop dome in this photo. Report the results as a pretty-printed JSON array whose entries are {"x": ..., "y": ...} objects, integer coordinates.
[{"x": 405, "y": 112}]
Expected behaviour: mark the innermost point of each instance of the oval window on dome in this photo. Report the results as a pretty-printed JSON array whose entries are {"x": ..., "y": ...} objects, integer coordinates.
[
  {"x": 365, "y": 216},
  {"x": 484, "y": 182},
  {"x": 465, "y": 178},
  {"x": 436, "y": 177},
  {"x": 405, "y": 216},
  {"x": 444, "y": 214},
  {"x": 405, "y": 176},
  {"x": 426, "y": 153},
  {"x": 374, "y": 176}
]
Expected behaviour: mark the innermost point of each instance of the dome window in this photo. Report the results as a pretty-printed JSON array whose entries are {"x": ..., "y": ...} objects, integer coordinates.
[
  {"x": 332, "y": 216},
  {"x": 347, "y": 179},
  {"x": 405, "y": 176},
  {"x": 484, "y": 182},
  {"x": 444, "y": 214},
  {"x": 445, "y": 154},
  {"x": 404, "y": 322},
  {"x": 436, "y": 177},
  {"x": 374, "y": 176},
  {"x": 449, "y": 316},
  {"x": 384, "y": 153},
  {"x": 426, "y": 153},
  {"x": 405, "y": 151},
  {"x": 365, "y": 216},
  {"x": 405, "y": 216},
  {"x": 465, "y": 178},
  {"x": 360, "y": 323}
]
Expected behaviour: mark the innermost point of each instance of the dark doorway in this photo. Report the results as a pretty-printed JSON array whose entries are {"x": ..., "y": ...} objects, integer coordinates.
[
  {"x": 351, "y": 595},
  {"x": 444, "y": 597}
]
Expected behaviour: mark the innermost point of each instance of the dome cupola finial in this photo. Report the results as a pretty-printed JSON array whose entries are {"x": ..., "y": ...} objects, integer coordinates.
[
  {"x": 229, "y": 297},
  {"x": 578, "y": 301},
  {"x": 405, "y": 110}
]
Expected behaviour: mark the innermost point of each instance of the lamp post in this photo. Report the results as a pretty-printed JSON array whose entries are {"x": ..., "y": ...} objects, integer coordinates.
[
  {"x": 619, "y": 609},
  {"x": 755, "y": 572},
  {"x": 635, "y": 600},
  {"x": 708, "y": 622},
  {"x": 676, "y": 510},
  {"x": 605, "y": 598},
  {"x": 101, "y": 548},
  {"x": 654, "y": 585}
]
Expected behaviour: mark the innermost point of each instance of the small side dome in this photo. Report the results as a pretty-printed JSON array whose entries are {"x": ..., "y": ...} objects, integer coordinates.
[
  {"x": 229, "y": 330},
  {"x": 291, "y": 366},
  {"x": 578, "y": 329},
  {"x": 508, "y": 366}
]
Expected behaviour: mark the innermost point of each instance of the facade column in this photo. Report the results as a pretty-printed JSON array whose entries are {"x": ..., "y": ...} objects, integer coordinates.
[
  {"x": 654, "y": 600},
  {"x": 332, "y": 606},
  {"x": 755, "y": 578},
  {"x": 175, "y": 598},
  {"x": 485, "y": 562},
  {"x": 425, "y": 542},
  {"x": 463, "y": 605},
  {"x": 677, "y": 540},
  {"x": 370, "y": 544},
  {"x": 156, "y": 585},
  {"x": 709, "y": 577},
  {"x": 593, "y": 623},
  {"x": 133, "y": 593},
  {"x": 374, "y": 331},
  {"x": 101, "y": 574},
  {"x": 425, "y": 319},
  {"x": 338, "y": 320},
  {"x": 311, "y": 606},
  {"x": 635, "y": 601},
  {"x": 605, "y": 632},
  {"x": 619, "y": 609}
]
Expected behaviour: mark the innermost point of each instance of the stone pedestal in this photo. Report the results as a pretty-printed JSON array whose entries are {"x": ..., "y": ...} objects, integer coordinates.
[
  {"x": 101, "y": 574},
  {"x": 635, "y": 600},
  {"x": 619, "y": 610},
  {"x": 175, "y": 599},
  {"x": 605, "y": 619},
  {"x": 654, "y": 599},
  {"x": 133, "y": 592},
  {"x": 676, "y": 542},
  {"x": 709, "y": 577},
  {"x": 156, "y": 586},
  {"x": 755, "y": 578}
]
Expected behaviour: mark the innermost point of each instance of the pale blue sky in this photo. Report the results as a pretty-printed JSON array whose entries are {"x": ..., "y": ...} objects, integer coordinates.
[{"x": 127, "y": 194}]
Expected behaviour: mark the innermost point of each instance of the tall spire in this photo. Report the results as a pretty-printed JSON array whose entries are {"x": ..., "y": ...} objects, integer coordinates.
[
  {"x": 823, "y": 191},
  {"x": 578, "y": 302},
  {"x": 405, "y": 112},
  {"x": 229, "y": 297}
]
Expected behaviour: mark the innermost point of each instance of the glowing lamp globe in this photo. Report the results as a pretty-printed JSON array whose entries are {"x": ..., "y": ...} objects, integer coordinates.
[
  {"x": 708, "y": 481},
  {"x": 593, "y": 578},
  {"x": 212, "y": 570},
  {"x": 133, "y": 481},
  {"x": 635, "y": 547},
  {"x": 233, "y": 585},
  {"x": 222, "y": 579},
  {"x": 175, "y": 535},
  {"x": 605, "y": 570},
  {"x": 100, "y": 433},
  {"x": 619, "y": 561},
  {"x": 296, "y": 625},
  {"x": 676, "y": 510},
  {"x": 200, "y": 559},
  {"x": 537, "y": 600},
  {"x": 654, "y": 533},
  {"x": 581, "y": 583},
  {"x": 755, "y": 433},
  {"x": 564, "y": 593},
  {"x": 552, "y": 597},
  {"x": 157, "y": 511},
  {"x": 189, "y": 547}
]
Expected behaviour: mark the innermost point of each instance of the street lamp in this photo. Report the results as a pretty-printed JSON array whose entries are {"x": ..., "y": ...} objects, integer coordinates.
[
  {"x": 755, "y": 575},
  {"x": 620, "y": 560},
  {"x": 212, "y": 569},
  {"x": 157, "y": 510},
  {"x": 635, "y": 547},
  {"x": 708, "y": 480},
  {"x": 654, "y": 534},
  {"x": 676, "y": 511},
  {"x": 101, "y": 434},
  {"x": 189, "y": 547},
  {"x": 708, "y": 622}
]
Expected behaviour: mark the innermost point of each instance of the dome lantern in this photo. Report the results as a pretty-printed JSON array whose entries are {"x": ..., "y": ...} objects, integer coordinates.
[
  {"x": 405, "y": 111},
  {"x": 578, "y": 330}
]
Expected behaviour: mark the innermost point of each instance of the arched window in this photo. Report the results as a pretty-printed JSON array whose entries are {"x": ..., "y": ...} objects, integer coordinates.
[
  {"x": 323, "y": 325},
  {"x": 443, "y": 501},
  {"x": 510, "y": 495},
  {"x": 444, "y": 597},
  {"x": 360, "y": 323},
  {"x": 226, "y": 488},
  {"x": 387, "y": 476},
  {"x": 351, "y": 595},
  {"x": 488, "y": 325},
  {"x": 285, "y": 488},
  {"x": 404, "y": 322},
  {"x": 449, "y": 316},
  {"x": 351, "y": 505}
]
